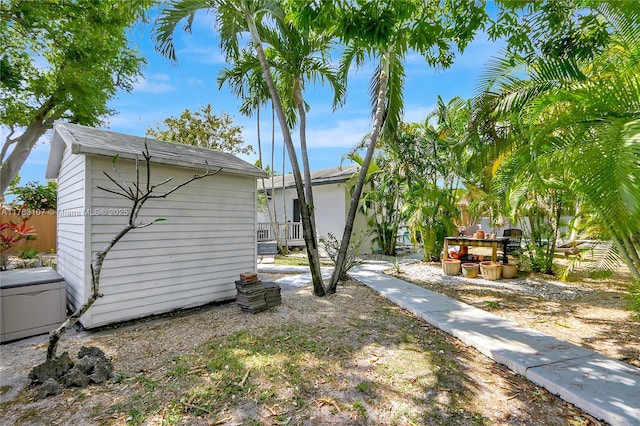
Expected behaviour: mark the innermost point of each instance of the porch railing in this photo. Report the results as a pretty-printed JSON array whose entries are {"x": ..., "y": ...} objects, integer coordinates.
[{"x": 291, "y": 232}]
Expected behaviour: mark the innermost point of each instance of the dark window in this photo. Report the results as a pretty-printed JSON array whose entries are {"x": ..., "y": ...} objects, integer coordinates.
[{"x": 296, "y": 210}]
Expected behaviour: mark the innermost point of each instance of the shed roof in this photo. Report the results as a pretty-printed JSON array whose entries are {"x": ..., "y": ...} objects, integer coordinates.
[
  {"x": 91, "y": 141},
  {"x": 318, "y": 177}
]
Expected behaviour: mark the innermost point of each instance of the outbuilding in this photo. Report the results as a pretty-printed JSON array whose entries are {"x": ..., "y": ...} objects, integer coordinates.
[{"x": 192, "y": 257}]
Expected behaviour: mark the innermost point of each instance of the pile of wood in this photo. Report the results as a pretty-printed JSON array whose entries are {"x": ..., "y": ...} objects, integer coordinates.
[
  {"x": 253, "y": 297},
  {"x": 272, "y": 294}
]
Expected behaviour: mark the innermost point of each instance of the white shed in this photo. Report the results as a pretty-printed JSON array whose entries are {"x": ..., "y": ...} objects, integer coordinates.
[{"x": 191, "y": 258}]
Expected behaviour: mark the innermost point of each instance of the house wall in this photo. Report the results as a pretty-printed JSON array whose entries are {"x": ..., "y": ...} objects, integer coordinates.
[
  {"x": 360, "y": 227},
  {"x": 331, "y": 208},
  {"x": 191, "y": 258},
  {"x": 71, "y": 223}
]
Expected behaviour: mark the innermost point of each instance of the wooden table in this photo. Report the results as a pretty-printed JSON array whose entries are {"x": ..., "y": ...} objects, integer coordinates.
[{"x": 479, "y": 242}]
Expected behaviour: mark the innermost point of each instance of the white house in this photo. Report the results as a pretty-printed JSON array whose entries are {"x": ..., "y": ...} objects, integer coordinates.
[
  {"x": 331, "y": 205},
  {"x": 191, "y": 258}
]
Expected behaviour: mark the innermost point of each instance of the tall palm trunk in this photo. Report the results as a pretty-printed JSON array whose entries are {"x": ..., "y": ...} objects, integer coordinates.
[
  {"x": 272, "y": 221},
  {"x": 297, "y": 96},
  {"x": 620, "y": 244},
  {"x": 275, "y": 226},
  {"x": 307, "y": 228},
  {"x": 357, "y": 191}
]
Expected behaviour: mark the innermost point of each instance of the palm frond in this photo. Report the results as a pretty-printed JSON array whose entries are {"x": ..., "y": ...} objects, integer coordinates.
[{"x": 169, "y": 19}]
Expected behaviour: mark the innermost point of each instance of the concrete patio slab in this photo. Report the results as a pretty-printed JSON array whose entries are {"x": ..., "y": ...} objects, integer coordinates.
[{"x": 605, "y": 388}]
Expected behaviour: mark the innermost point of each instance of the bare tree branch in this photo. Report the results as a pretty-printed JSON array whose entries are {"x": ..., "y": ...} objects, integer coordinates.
[{"x": 132, "y": 192}]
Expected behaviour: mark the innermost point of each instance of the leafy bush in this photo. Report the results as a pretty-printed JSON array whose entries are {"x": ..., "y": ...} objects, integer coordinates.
[
  {"x": 332, "y": 246},
  {"x": 10, "y": 234},
  {"x": 34, "y": 196}
]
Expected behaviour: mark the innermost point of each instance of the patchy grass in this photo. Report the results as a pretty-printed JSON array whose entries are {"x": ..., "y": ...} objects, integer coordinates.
[
  {"x": 283, "y": 373},
  {"x": 298, "y": 259},
  {"x": 351, "y": 358}
]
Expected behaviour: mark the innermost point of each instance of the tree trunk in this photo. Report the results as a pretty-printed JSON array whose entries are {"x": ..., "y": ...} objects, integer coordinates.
[
  {"x": 307, "y": 228},
  {"x": 355, "y": 198},
  {"x": 272, "y": 223},
  {"x": 303, "y": 150},
  {"x": 635, "y": 274},
  {"x": 23, "y": 145}
]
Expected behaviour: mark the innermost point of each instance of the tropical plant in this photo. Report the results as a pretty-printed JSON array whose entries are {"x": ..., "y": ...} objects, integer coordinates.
[
  {"x": 28, "y": 253},
  {"x": 246, "y": 82},
  {"x": 567, "y": 123},
  {"x": 433, "y": 154},
  {"x": 381, "y": 199},
  {"x": 61, "y": 60},
  {"x": 294, "y": 58},
  {"x": 387, "y": 31},
  {"x": 11, "y": 233}
]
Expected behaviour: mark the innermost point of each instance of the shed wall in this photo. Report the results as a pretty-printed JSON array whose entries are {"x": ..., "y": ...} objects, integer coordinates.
[
  {"x": 72, "y": 263},
  {"x": 191, "y": 258}
]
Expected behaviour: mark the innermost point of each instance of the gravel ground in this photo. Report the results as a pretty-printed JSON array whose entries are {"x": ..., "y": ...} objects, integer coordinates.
[{"x": 591, "y": 313}]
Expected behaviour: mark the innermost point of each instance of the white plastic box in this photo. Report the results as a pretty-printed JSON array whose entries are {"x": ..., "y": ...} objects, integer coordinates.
[{"x": 32, "y": 302}]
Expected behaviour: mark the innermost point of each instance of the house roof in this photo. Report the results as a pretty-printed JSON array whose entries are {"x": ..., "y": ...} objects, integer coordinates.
[
  {"x": 318, "y": 177},
  {"x": 91, "y": 141}
]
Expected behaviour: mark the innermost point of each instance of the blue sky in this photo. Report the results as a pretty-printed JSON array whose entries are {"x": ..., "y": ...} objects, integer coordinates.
[{"x": 166, "y": 90}]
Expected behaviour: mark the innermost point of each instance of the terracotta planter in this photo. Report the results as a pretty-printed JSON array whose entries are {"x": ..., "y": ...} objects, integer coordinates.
[
  {"x": 469, "y": 270},
  {"x": 509, "y": 270},
  {"x": 490, "y": 270},
  {"x": 451, "y": 266}
]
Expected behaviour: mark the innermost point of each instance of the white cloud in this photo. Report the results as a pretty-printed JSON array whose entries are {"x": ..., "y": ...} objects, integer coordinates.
[
  {"x": 343, "y": 134},
  {"x": 201, "y": 54},
  {"x": 194, "y": 81},
  {"x": 154, "y": 83}
]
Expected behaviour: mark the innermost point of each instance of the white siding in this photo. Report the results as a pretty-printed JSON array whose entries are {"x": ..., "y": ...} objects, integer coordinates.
[
  {"x": 330, "y": 209},
  {"x": 72, "y": 263},
  {"x": 191, "y": 258}
]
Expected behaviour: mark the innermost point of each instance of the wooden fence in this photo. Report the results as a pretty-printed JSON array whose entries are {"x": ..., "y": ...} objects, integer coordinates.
[{"x": 45, "y": 226}]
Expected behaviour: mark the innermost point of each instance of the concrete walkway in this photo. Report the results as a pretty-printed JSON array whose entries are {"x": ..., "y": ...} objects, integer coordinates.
[{"x": 603, "y": 387}]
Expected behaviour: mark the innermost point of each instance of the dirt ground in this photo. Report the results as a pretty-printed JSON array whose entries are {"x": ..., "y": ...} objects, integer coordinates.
[{"x": 360, "y": 360}]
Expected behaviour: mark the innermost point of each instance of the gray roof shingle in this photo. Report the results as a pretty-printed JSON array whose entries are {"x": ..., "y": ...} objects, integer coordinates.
[
  {"x": 318, "y": 177},
  {"x": 92, "y": 141}
]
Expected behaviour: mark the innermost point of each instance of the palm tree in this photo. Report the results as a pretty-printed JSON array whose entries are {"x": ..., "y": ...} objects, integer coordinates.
[
  {"x": 433, "y": 156},
  {"x": 246, "y": 82},
  {"x": 381, "y": 201},
  {"x": 297, "y": 58},
  {"x": 580, "y": 122},
  {"x": 388, "y": 31},
  {"x": 233, "y": 17}
]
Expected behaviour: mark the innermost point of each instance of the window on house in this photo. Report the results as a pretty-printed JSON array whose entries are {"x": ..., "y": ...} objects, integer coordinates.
[{"x": 296, "y": 210}]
